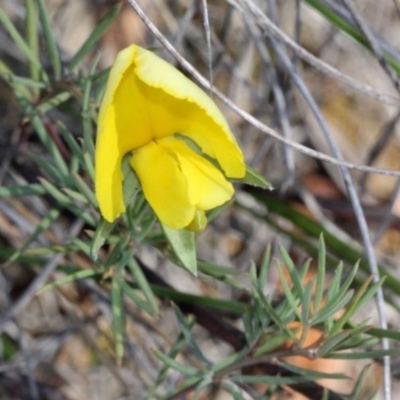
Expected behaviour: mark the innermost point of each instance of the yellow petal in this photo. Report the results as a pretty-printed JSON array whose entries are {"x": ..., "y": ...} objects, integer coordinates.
[
  {"x": 147, "y": 98},
  {"x": 122, "y": 116},
  {"x": 177, "y": 105},
  {"x": 178, "y": 183},
  {"x": 164, "y": 185},
  {"x": 207, "y": 187}
]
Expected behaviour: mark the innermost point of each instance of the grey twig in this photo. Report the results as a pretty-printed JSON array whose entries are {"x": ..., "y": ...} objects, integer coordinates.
[
  {"x": 387, "y": 133},
  {"x": 280, "y": 103},
  {"x": 208, "y": 39},
  {"x": 246, "y": 116},
  {"x": 366, "y": 30},
  {"x": 273, "y": 30}
]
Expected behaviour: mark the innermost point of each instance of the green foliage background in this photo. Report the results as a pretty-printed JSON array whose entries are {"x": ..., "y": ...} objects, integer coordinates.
[{"x": 68, "y": 245}]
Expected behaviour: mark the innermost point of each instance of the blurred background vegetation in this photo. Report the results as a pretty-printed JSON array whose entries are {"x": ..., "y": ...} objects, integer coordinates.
[{"x": 277, "y": 310}]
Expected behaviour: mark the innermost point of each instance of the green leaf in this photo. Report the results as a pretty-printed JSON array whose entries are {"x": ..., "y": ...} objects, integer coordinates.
[
  {"x": 131, "y": 183},
  {"x": 264, "y": 267},
  {"x": 26, "y": 190},
  {"x": 91, "y": 41},
  {"x": 344, "y": 287},
  {"x": 12, "y": 80},
  {"x": 294, "y": 274},
  {"x": 269, "y": 343},
  {"x": 88, "y": 143},
  {"x": 49, "y": 37},
  {"x": 363, "y": 294},
  {"x": 32, "y": 37},
  {"x": 8, "y": 347},
  {"x": 87, "y": 273},
  {"x": 233, "y": 359},
  {"x": 18, "y": 40},
  {"x": 332, "y": 343},
  {"x": 206, "y": 381},
  {"x": 118, "y": 315},
  {"x": 177, "y": 390},
  {"x": 75, "y": 195},
  {"x": 53, "y": 102},
  {"x": 306, "y": 302},
  {"x": 44, "y": 224},
  {"x": 136, "y": 297},
  {"x": 84, "y": 189},
  {"x": 332, "y": 307},
  {"x": 143, "y": 285},
  {"x": 100, "y": 80},
  {"x": 231, "y": 306},
  {"x": 384, "y": 333},
  {"x": 364, "y": 354},
  {"x": 217, "y": 270},
  {"x": 67, "y": 202},
  {"x": 334, "y": 287},
  {"x": 253, "y": 178},
  {"x": 185, "y": 328},
  {"x": 232, "y": 389},
  {"x": 291, "y": 297},
  {"x": 62, "y": 173},
  {"x": 183, "y": 245},
  {"x": 20, "y": 81},
  {"x": 272, "y": 379},
  {"x": 355, "y": 394},
  {"x": 70, "y": 140},
  {"x": 345, "y": 27},
  {"x": 175, "y": 350},
  {"x": 319, "y": 287},
  {"x": 82, "y": 245},
  {"x": 223, "y": 274},
  {"x": 278, "y": 321},
  {"x": 341, "y": 249},
  {"x": 100, "y": 236},
  {"x": 54, "y": 191},
  {"x": 183, "y": 369},
  {"x": 311, "y": 374}
]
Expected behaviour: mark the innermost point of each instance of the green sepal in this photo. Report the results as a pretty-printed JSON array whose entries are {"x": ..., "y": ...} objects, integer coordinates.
[
  {"x": 253, "y": 178},
  {"x": 131, "y": 183},
  {"x": 183, "y": 245},
  {"x": 100, "y": 236}
]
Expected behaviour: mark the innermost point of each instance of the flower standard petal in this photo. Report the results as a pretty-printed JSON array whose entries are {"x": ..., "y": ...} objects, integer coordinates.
[
  {"x": 164, "y": 185},
  {"x": 180, "y": 106}
]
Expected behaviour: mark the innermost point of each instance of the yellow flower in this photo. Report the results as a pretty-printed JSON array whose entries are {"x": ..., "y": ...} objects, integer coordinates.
[{"x": 147, "y": 108}]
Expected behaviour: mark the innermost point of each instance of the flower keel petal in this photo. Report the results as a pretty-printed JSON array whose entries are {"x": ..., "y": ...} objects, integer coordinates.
[{"x": 164, "y": 185}]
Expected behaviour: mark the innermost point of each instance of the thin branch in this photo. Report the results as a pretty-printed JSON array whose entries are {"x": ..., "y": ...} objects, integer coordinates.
[
  {"x": 208, "y": 39},
  {"x": 341, "y": 12},
  {"x": 280, "y": 104},
  {"x": 380, "y": 143},
  {"x": 325, "y": 68},
  {"x": 246, "y": 116},
  {"x": 375, "y": 47}
]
